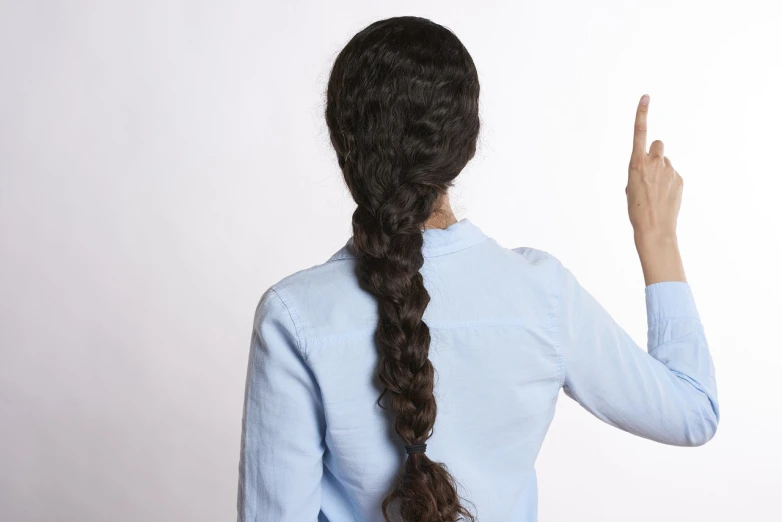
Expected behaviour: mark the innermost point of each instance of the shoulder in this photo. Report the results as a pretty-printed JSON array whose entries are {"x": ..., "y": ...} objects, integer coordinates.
[
  {"x": 323, "y": 278},
  {"x": 538, "y": 257},
  {"x": 272, "y": 309},
  {"x": 534, "y": 255},
  {"x": 317, "y": 299},
  {"x": 549, "y": 268}
]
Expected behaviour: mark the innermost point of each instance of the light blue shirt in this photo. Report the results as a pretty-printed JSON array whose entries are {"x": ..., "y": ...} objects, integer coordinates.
[{"x": 509, "y": 328}]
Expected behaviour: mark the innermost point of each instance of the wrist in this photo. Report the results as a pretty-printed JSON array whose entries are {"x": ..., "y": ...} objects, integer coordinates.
[
  {"x": 660, "y": 258},
  {"x": 655, "y": 240}
]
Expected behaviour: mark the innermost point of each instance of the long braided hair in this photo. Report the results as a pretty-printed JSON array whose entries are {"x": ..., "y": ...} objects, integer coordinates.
[{"x": 402, "y": 113}]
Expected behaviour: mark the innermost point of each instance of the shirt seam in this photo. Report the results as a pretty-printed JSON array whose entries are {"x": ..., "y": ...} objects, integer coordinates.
[
  {"x": 349, "y": 256},
  {"x": 302, "y": 350},
  {"x": 296, "y": 330},
  {"x": 555, "y": 316},
  {"x": 358, "y": 333}
]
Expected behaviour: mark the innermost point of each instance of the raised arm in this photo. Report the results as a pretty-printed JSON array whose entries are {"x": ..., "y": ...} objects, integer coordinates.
[{"x": 667, "y": 393}]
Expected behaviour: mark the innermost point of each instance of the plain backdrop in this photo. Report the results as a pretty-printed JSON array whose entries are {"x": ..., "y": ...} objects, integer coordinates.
[{"x": 163, "y": 163}]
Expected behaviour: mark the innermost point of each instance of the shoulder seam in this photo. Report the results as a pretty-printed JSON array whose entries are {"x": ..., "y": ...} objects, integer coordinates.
[
  {"x": 555, "y": 317},
  {"x": 554, "y": 314},
  {"x": 296, "y": 331},
  {"x": 544, "y": 253}
]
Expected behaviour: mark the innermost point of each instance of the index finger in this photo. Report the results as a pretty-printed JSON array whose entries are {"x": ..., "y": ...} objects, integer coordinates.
[{"x": 639, "y": 135}]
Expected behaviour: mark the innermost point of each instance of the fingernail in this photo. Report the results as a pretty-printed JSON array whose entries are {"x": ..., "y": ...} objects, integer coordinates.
[{"x": 645, "y": 99}]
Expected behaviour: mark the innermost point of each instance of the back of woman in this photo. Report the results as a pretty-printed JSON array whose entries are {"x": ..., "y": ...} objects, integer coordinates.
[{"x": 412, "y": 376}]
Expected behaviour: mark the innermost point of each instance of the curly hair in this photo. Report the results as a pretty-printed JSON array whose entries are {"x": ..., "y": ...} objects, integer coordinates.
[{"x": 402, "y": 113}]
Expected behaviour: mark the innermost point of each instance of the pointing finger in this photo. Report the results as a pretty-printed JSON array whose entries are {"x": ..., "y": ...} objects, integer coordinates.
[{"x": 639, "y": 136}]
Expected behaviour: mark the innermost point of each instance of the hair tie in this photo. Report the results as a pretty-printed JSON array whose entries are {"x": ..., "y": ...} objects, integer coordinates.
[{"x": 415, "y": 448}]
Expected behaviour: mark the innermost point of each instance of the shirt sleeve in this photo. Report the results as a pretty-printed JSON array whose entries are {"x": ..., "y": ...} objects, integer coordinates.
[
  {"x": 282, "y": 441},
  {"x": 666, "y": 393}
]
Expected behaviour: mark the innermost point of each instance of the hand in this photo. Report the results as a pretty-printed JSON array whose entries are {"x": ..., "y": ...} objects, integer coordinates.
[
  {"x": 654, "y": 194},
  {"x": 654, "y": 188}
]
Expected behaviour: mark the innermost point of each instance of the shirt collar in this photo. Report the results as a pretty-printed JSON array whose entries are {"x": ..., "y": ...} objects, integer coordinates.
[{"x": 437, "y": 241}]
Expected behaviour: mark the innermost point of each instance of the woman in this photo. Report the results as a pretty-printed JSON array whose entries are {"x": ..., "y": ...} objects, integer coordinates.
[{"x": 342, "y": 394}]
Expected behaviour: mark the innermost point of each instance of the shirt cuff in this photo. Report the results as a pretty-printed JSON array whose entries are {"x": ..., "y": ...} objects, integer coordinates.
[{"x": 670, "y": 300}]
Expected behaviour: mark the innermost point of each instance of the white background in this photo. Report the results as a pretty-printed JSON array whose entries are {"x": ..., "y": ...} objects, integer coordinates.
[{"x": 163, "y": 163}]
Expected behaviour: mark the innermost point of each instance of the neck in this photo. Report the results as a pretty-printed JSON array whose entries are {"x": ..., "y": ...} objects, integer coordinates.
[{"x": 443, "y": 216}]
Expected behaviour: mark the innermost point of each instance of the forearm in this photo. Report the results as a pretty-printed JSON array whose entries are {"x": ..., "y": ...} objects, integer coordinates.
[{"x": 660, "y": 258}]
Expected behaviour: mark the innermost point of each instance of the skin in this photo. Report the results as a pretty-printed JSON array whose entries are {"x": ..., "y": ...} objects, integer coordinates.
[
  {"x": 443, "y": 217},
  {"x": 654, "y": 194}
]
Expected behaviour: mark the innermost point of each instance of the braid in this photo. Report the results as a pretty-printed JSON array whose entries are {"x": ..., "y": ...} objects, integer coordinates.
[
  {"x": 389, "y": 258},
  {"x": 402, "y": 111}
]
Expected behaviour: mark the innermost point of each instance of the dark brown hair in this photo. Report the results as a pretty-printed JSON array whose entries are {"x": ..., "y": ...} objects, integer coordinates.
[{"x": 402, "y": 113}]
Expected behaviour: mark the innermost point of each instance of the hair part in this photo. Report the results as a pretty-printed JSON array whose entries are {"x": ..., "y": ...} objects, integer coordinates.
[{"x": 402, "y": 113}]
